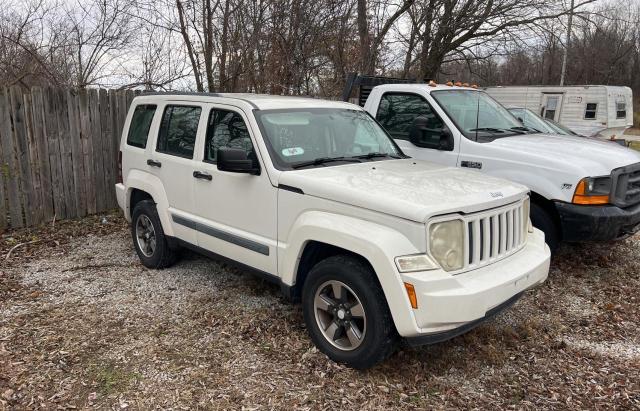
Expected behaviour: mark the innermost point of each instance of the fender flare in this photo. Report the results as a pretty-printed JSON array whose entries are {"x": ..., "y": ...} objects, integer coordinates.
[
  {"x": 152, "y": 185},
  {"x": 376, "y": 243}
]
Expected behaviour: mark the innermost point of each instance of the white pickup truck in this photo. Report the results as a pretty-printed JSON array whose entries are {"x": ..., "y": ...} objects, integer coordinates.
[
  {"x": 316, "y": 197},
  {"x": 581, "y": 189}
]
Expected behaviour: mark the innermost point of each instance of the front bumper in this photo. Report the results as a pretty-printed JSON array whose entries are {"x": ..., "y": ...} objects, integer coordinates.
[
  {"x": 597, "y": 223},
  {"x": 449, "y": 305}
]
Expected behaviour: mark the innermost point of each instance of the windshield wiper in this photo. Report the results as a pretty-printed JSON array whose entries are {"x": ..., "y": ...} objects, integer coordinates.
[
  {"x": 323, "y": 160},
  {"x": 375, "y": 155},
  {"x": 525, "y": 130},
  {"x": 489, "y": 129}
]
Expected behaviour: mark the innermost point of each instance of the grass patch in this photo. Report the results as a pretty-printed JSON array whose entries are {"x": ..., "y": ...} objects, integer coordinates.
[{"x": 111, "y": 379}]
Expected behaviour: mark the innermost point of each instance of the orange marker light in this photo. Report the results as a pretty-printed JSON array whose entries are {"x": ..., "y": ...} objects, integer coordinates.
[
  {"x": 458, "y": 84},
  {"x": 474, "y": 86},
  {"x": 465, "y": 84},
  {"x": 450, "y": 83},
  {"x": 433, "y": 83},
  {"x": 580, "y": 196},
  {"x": 411, "y": 293}
]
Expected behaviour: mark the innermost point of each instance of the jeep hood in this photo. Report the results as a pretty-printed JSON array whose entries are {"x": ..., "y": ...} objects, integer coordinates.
[
  {"x": 594, "y": 157},
  {"x": 407, "y": 188}
]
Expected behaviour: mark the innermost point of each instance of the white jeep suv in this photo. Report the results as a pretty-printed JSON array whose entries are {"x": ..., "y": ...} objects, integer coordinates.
[{"x": 315, "y": 196}]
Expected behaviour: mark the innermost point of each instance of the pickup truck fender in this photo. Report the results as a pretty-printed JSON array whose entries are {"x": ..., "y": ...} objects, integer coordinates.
[
  {"x": 542, "y": 183},
  {"x": 152, "y": 185},
  {"x": 378, "y": 244}
]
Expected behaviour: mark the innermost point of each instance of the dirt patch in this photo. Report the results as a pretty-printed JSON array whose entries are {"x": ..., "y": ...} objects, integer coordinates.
[{"x": 83, "y": 324}]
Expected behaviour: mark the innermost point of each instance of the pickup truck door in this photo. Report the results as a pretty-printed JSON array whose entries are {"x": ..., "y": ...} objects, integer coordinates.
[
  {"x": 397, "y": 113},
  {"x": 237, "y": 212}
]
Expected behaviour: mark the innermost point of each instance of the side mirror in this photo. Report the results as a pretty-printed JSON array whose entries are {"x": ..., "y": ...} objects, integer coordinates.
[
  {"x": 418, "y": 130},
  {"x": 234, "y": 160},
  {"x": 446, "y": 140},
  {"x": 421, "y": 135}
]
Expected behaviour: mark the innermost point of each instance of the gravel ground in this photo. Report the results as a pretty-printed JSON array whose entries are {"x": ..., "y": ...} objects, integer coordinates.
[{"x": 84, "y": 325}]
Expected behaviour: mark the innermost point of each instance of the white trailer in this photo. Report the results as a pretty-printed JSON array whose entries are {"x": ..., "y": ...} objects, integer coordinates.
[{"x": 587, "y": 110}]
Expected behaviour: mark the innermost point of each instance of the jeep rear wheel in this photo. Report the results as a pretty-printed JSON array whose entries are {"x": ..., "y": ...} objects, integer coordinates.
[
  {"x": 148, "y": 236},
  {"x": 346, "y": 313}
]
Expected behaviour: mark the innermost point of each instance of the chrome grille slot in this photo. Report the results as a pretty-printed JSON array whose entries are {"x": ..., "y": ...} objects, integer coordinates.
[{"x": 494, "y": 234}]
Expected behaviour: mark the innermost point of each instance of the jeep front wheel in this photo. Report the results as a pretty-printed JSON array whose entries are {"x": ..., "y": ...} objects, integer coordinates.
[{"x": 346, "y": 313}]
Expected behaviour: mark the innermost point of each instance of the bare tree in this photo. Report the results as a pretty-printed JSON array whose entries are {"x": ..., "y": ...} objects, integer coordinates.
[
  {"x": 372, "y": 36},
  {"x": 447, "y": 27},
  {"x": 95, "y": 35}
]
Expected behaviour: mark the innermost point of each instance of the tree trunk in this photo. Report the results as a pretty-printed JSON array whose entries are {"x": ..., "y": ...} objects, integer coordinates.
[
  {"x": 207, "y": 27},
  {"x": 190, "y": 50},
  {"x": 367, "y": 64},
  {"x": 224, "y": 47}
]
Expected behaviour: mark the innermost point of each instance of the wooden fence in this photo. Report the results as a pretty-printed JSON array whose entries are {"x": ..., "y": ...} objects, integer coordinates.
[{"x": 58, "y": 150}]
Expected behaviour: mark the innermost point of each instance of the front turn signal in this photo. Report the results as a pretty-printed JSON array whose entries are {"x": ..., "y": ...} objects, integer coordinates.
[
  {"x": 588, "y": 193},
  {"x": 411, "y": 293}
]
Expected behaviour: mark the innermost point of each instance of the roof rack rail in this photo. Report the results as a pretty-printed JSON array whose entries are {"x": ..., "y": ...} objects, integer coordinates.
[{"x": 364, "y": 84}]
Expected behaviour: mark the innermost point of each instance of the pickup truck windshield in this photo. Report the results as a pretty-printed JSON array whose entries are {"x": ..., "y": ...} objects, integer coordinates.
[
  {"x": 478, "y": 116},
  {"x": 311, "y": 137},
  {"x": 532, "y": 120}
]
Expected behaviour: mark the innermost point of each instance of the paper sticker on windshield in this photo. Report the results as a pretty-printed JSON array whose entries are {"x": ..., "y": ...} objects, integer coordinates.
[{"x": 293, "y": 151}]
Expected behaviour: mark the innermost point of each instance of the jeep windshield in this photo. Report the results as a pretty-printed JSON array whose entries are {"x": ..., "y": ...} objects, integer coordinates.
[
  {"x": 321, "y": 137},
  {"x": 478, "y": 116}
]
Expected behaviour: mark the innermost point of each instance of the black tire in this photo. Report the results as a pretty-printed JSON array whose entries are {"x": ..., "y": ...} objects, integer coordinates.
[
  {"x": 542, "y": 220},
  {"x": 379, "y": 338},
  {"x": 162, "y": 255}
]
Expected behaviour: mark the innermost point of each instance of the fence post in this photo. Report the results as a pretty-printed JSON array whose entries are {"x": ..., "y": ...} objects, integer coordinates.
[
  {"x": 96, "y": 150},
  {"x": 23, "y": 170},
  {"x": 66, "y": 155},
  {"x": 39, "y": 127}
]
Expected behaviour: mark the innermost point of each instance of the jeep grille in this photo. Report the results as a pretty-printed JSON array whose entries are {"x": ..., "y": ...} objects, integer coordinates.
[{"x": 493, "y": 235}]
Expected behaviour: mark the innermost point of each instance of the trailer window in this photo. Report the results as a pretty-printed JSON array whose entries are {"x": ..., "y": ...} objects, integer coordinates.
[
  {"x": 621, "y": 109},
  {"x": 590, "y": 111}
]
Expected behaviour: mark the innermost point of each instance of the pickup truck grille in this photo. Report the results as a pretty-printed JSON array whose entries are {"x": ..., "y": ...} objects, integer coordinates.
[
  {"x": 494, "y": 234},
  {"x": 626, "y": 190}
]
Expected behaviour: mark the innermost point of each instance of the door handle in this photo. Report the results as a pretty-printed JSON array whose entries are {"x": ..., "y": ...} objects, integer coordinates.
[
  {"x": 202, "y": 176},
  {"x": 153, "y": 163}
]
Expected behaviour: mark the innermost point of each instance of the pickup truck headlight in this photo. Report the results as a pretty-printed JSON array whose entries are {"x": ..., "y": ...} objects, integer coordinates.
[
  {"x": 446, "y": 243},
  {"x": 593, "y": 190}
]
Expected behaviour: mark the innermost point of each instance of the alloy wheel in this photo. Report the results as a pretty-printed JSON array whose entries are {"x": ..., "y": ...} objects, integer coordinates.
[
  {"x": 340, "y": 315},
  {"x": 146, "y": 235}
]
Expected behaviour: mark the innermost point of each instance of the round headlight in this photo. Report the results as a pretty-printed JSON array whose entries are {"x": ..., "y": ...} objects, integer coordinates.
[{"x": 446, "y": 243}]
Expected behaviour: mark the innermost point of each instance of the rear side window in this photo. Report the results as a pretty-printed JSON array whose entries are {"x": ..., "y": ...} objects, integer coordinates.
[
  {"x": 621, "y": 109},
  {"x": 140, "y": 124},
  {"x": 397, "y": 113},
  {"x": 178, "y": 130},
  {"x": 590, "y": 111}
]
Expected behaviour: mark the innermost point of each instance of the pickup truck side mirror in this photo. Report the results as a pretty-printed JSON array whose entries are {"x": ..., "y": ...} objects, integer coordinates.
[
  {"x": 421, "y": 135},
  {"x": 235, "y": 160},
  {"x": 446, "y": 140}
]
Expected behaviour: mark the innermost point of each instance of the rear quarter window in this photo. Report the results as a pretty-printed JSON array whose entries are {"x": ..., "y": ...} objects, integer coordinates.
[{"x": 140, "y": 124}]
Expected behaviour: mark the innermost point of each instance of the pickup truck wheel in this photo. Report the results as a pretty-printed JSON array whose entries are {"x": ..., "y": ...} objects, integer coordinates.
[
  {"x": 541, "y": 220},
  {"x": 148, "y": 236},
  {"x": 346, "y": 313}
]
